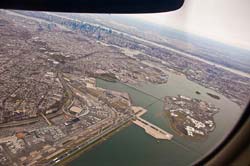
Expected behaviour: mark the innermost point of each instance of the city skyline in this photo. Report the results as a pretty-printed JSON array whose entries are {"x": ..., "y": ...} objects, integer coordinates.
[{"x": 224, "y": 21}]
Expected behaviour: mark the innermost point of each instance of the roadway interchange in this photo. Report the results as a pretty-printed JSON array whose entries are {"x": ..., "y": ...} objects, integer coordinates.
[
  {"x": 87, "y": 114},
  {"x": 49, "y": 101}
]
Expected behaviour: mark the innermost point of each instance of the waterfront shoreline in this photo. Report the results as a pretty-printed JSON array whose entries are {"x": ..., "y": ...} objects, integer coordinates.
[{"x": 101, "y": 140}]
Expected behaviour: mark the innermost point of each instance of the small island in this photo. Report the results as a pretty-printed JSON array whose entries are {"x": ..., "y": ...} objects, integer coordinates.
[
  {"x": 197, "y": 92},
  {"x": 192, "y": 118},
  {"x": 213, "y": 96}
]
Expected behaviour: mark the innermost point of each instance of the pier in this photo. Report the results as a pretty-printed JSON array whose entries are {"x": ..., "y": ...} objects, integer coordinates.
[{"x": 150, "y": 128}]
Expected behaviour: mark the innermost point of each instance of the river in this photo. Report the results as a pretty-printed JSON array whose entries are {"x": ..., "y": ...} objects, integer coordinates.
[{"x": 133, "y": 147}]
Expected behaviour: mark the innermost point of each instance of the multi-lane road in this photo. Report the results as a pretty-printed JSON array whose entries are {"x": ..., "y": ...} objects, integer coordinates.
[{"x": 84, "y": 145}]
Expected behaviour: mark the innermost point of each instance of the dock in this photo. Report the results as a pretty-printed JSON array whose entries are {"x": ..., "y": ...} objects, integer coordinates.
[{"x": 150, "y": 128}]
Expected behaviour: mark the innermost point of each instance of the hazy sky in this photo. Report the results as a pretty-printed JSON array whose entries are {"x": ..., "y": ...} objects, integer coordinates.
[{"x": 224, "y": 20}]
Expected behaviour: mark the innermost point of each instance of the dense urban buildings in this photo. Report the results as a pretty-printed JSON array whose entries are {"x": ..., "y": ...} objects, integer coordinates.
[{"x": 51, "y": 107}]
